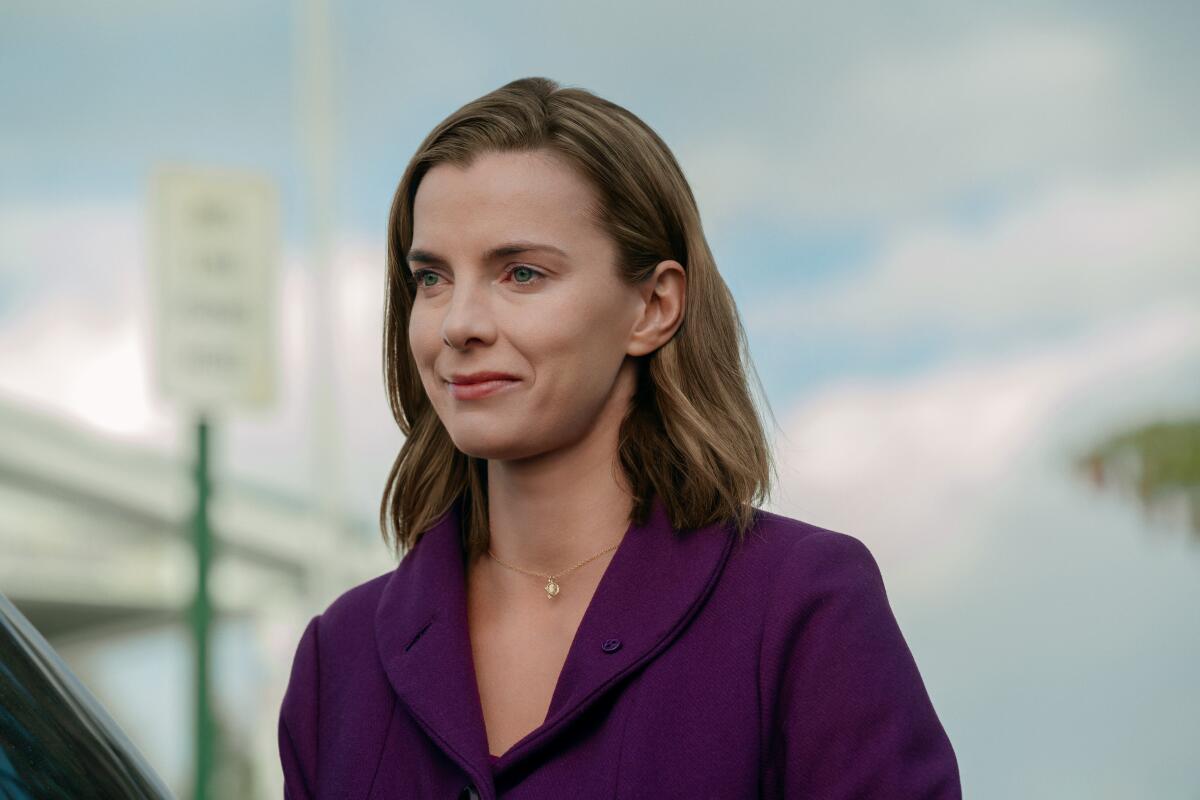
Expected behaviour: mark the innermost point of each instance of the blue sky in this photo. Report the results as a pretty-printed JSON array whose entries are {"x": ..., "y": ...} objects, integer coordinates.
[{"x": 962, "y": 238}]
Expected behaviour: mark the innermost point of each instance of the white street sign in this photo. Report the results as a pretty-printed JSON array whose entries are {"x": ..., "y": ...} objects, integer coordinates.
[{"x": 214, "y": 262}]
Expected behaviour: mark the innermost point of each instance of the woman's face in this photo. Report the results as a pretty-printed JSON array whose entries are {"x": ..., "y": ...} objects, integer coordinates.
[{"x": 561, "y": 323}]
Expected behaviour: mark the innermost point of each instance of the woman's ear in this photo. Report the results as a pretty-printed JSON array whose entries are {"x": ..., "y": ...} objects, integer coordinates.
[{"x": 663, "y": 296}]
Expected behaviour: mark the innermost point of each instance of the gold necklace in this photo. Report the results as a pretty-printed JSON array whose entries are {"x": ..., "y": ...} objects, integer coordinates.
[{"x": 552, "y": 580}]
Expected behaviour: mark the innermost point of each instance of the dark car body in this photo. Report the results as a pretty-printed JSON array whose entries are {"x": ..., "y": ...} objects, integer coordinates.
[{"x": 56, "y": 740}]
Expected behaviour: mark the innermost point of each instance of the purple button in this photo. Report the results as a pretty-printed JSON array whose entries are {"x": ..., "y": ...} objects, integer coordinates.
[{"x": 611, "y": 645}]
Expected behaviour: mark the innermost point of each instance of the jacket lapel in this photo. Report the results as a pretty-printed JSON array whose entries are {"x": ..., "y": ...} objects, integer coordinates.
[
  {"x": 656, "y": 581},
  {"x": 424, "y": 645}
]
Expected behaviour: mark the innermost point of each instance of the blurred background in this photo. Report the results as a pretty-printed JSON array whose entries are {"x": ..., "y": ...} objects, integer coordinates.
[{"x": 964, "y": 239}]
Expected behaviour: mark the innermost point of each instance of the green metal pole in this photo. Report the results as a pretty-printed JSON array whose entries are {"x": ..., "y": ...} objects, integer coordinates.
[{"x": 202, "y": 617}]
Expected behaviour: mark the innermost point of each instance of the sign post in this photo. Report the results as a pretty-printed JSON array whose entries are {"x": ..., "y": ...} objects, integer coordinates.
[{"x": 215, "y": 254}]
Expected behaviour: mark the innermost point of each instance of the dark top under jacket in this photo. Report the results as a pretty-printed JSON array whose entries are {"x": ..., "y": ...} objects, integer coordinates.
[{"x": 702, "y": 668}]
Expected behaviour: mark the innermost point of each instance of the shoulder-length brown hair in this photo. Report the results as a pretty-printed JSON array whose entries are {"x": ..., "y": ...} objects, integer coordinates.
[{"x": 692, "y": 434}]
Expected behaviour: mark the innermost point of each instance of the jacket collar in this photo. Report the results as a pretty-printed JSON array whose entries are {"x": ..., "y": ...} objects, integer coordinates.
[{"x": 657, "y": 579}]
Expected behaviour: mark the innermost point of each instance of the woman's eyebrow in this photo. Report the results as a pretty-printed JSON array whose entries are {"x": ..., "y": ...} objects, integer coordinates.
[{"x": 418, "y": 256}]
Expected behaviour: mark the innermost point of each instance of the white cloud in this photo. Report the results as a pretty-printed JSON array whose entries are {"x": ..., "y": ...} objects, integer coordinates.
[
  {"x": 1006, "y": 64},
  {"x": 1082, "y": 251},
  {"x": 1023, "y": 591},
  {"x": 92, "y": 250},
  {"x": 85, "y": 363},
  {"x": 79, "y": 345},
  {"x": 74, "y": 342},
  {"x": 918, "y": 467},
  {"x": 911, "y": 126}
]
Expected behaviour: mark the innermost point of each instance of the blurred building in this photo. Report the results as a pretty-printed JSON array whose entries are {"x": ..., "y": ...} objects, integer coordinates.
[{"x": 95, "y": 549}]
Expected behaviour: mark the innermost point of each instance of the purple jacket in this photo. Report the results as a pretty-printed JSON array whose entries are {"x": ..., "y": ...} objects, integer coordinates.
[{"x": 701, "y": 669}]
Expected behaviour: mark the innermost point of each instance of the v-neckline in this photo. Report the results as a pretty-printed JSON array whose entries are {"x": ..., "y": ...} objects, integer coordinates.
[
  {"x": 423, "y": 643},
  {"x": 557, "y": 688}
]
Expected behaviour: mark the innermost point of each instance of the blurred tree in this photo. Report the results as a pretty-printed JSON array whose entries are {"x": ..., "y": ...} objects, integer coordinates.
[{"x": 1159, "y": 462}]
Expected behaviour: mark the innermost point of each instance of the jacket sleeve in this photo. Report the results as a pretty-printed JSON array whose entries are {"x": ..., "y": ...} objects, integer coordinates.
[
  {"x": 298, "y": 720},
  {"x": 849, "y": 715}
]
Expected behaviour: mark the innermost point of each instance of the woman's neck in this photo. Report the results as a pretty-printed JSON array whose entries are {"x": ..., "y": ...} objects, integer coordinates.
[
  {"x": 551, "y": 533},
  {"x": 546, "y": 520}
]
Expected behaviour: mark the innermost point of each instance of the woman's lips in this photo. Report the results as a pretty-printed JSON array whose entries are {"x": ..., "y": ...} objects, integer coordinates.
[{"x": 471, "y": 391}]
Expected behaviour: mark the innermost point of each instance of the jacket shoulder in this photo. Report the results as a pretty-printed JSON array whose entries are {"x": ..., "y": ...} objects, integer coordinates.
[
  {"x": 347, "y": 632},
  {"x": 335, "y": 682},
  {"x": 839, "y": 683},
  {"x": 337, "y": 637},
  {"x": 810, "y": 574},
  {"x": 792, "y": 547},
  {"x": 354, "y": 608}
]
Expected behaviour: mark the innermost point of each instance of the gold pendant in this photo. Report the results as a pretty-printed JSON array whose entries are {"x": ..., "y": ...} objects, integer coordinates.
[{"x": 551, "y": 589}]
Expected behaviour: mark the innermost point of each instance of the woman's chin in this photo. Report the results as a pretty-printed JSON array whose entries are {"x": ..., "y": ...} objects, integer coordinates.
[{"x": 491, "y": 448}]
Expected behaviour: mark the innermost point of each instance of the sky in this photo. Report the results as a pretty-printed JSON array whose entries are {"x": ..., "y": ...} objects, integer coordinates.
[{"x": 962, "y": 238}]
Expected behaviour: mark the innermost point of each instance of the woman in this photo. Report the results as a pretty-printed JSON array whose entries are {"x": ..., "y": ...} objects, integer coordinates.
[{"x": 589, "y": 604}]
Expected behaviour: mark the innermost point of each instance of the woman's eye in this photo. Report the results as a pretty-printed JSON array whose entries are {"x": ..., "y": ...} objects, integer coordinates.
[
  {"x": 524, "y": 275},
  {"x": 420, "y": 275}
]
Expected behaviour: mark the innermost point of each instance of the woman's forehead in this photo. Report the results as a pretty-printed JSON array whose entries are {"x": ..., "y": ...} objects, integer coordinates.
[
  {"x": 520, "y": 183},
  {"x": 502, "y": 197}
]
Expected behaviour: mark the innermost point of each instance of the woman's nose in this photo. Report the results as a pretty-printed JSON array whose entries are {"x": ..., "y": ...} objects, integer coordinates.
[{"x": 468, "y": 316}]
